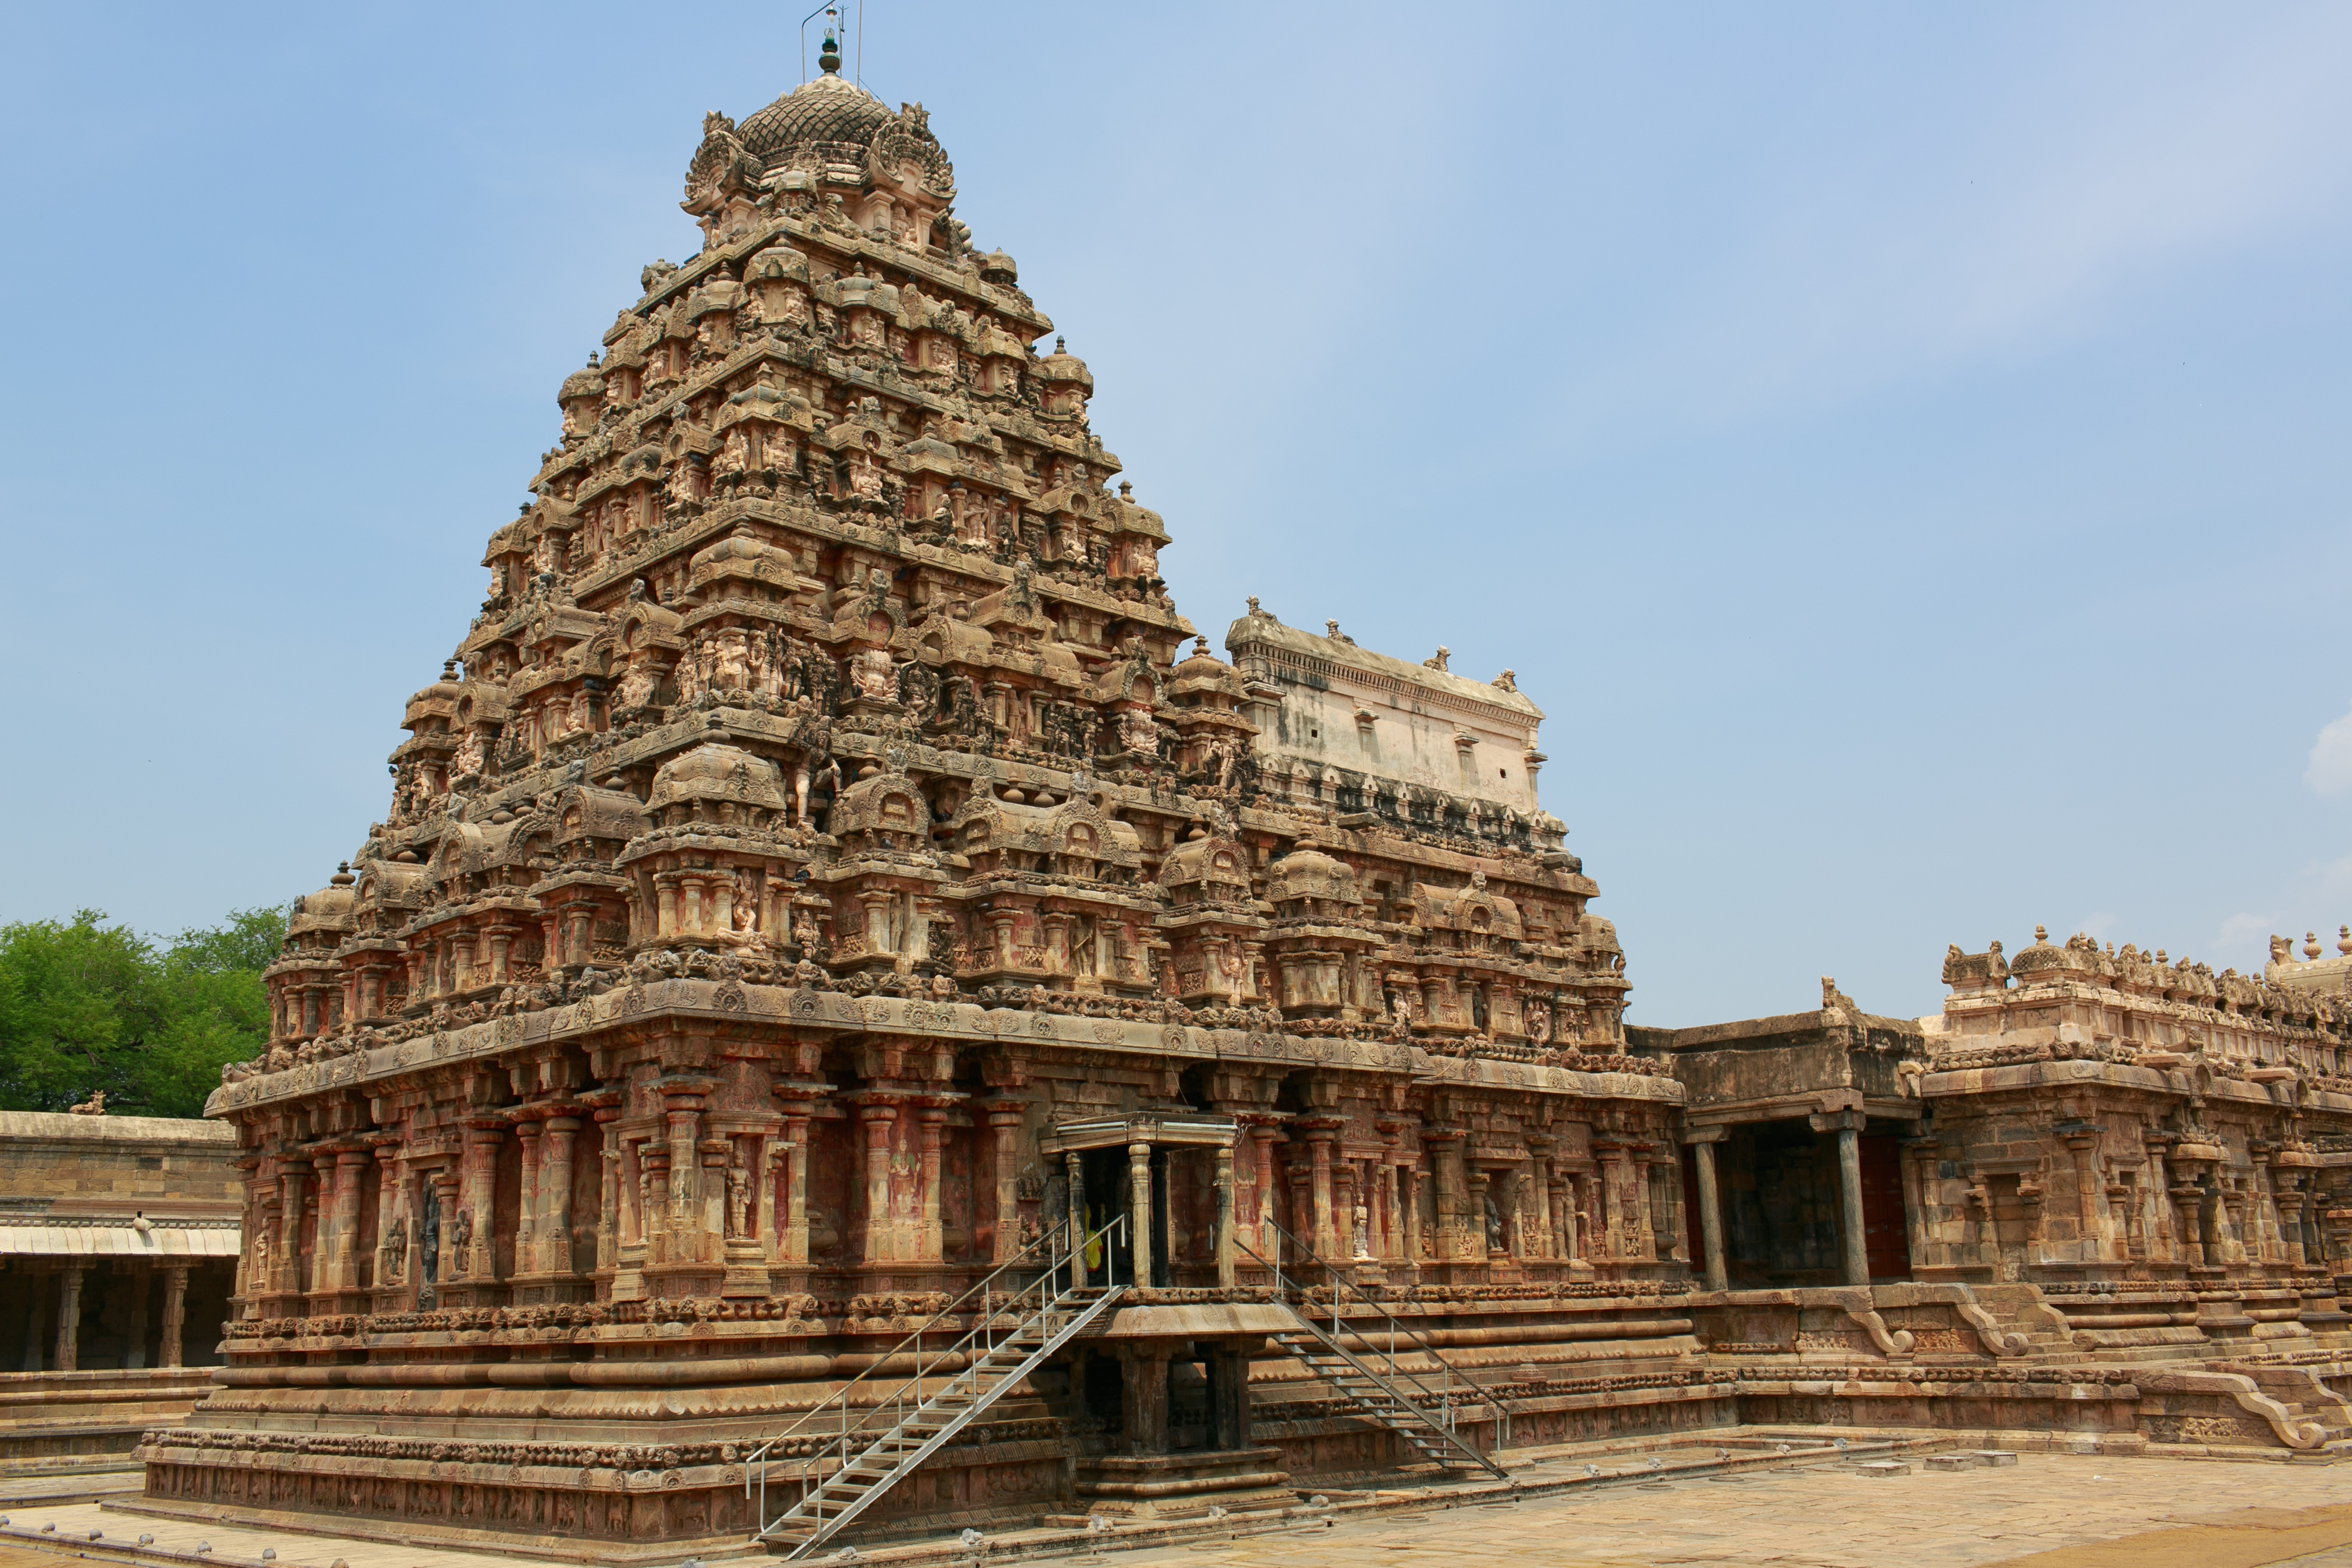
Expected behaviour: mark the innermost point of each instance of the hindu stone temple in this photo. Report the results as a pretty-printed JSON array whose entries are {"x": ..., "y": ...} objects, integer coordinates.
[{"x": 849, "y": 1000}]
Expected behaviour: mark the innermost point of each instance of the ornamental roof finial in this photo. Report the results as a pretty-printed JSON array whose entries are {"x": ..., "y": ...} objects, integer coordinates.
[{"x": 828, "y": 56}]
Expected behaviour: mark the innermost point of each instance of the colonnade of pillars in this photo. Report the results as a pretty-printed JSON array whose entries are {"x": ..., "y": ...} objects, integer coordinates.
[
  {"x": 687, "y": 1192},
  {"x": 55, "y": 1310},
  {"x": 1854, "y": 1261},
  {"x": 1369, "y": 1207},
  {"x": 2176, "y": 1203}
]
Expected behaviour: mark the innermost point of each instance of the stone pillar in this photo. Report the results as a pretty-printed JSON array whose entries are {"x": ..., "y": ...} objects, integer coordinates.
[
  {"x": 1143, "y": 1398},
  {"x": 1645, "y": 1228},
  {"x": 1393, "y": 1188},
  {"x": 1270, "y": 1245},
  {"x": 710, "y": 1232},
  {"x": 2083, "y": 1146},
  {"x": 343, "y": 1257},
  {"x": 1138, "y": 1192},
  {"x": 1325, "y": 1238},
  {"x": 389, "y": 1208},
  {"x": 555, "y": 1154},
  {"x": 2290, "y": 1204},
  {"x": 877, "y": 1121},
  {"x": 683, "y": 1118},
  {"x": 2189, "y": 1200},
  {"x": 1078, "y": 1185},
  {"x": 2163, "y": 1243},
  {"x": 1229, "y": 1416},
  {"x": 1611, "y": 1183},
  {"x": 176, "y": 1314},
  {"x": 1703, "y": 1141},
  {"x": 293, "y": 1178},
  {"x": 134, "y": 1278},
  {"x": 1847, "y": 1125},
  {"x": 1225, "y": 1273},
  {"x": 930, "y": 1245},
  {"x": 68, "y": 1348},
  {"x": 477, "y": 1222},
  {"x": 1409, "y": 1185},
  {"x": 796, "y": 1226},
  {"x": 530, "y": 1199},
  {"x": 763, "y": 1203},
  {"x": 1004, "y": 1123},
  {"x": 608, "y": 1190}
]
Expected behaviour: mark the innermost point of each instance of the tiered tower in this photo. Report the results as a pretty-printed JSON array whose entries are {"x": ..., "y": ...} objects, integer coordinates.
[{"x": 817, "y": 876}]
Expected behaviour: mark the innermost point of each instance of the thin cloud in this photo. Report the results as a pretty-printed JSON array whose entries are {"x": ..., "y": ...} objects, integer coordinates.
[
  {"x": 2330, "y": 771},
  {"x": 2240, "y": 932}
]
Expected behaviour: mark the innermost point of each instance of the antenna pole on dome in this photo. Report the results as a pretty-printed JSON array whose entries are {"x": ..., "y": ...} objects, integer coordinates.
[{"x": 860, "y": 71}]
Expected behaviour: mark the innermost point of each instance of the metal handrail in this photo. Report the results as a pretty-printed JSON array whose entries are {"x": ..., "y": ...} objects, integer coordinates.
[
  {"x": 1443, "y": 1395},
  {"x": 1055, "y": 1258},
  {"x": 984, "y": 1333}
]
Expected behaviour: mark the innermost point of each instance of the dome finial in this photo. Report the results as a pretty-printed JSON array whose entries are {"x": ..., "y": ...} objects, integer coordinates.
[{"x": 828, "y": 55}]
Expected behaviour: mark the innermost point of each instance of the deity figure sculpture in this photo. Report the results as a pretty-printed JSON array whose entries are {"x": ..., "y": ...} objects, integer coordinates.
[
  {"x": 1494, "y": 1225},
  {"x": 739, "y": 1188},
  {"x": 876, "y": 678}
]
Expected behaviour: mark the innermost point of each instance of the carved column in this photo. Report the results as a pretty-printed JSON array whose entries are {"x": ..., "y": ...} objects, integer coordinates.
[
  {"x": 2163, "y": 1245},
  {"x": 1262, "y": 1139},
  {"x": 1325, "y": 1238},
  {"x": 796, "y": 1226},
  {"x": 530, "y": 1198},
  {"x": 1005, "y": 1124},
  {"x": 1224, "y": 1180},
  {"x": 1645, "y": 1232},
  {"x": 344, "y": 1255},
  {"x": 1703, "y": 1141},
  {"x": 293, "y": 1178},
  {"x": 683, "y": 1118},
  {"x": 555, "y": 1155},
  {"x": 1450, "y": 1245},
  {"x": 1139, "y": 1184},
  {"x": 1614, "y": 1223},
  {"x": 477, "y": 1254},
  {"x": 1077, "y": 1220},
  {"x": 391, "y": 1233},
  {"x": 930, "y": 1245},
  {"x": 877, "y": 1121},
  {"x": 176, "y": 1314},
  {"x": 766, "y": 1173},
  {"x": 2084, "y": 1147},
  {"x": 608, "y": 1191}
]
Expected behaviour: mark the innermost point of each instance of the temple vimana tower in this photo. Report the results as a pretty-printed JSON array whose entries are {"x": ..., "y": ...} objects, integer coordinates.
[{"x": 856, "y": 1019}]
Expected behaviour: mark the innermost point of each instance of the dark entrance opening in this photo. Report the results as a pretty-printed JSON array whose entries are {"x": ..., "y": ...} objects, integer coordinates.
[
  {"x": 1101, "y": 1388},
  {"x": 1111, "y": 1194},
  {"x": 1886, "y": 1238}
]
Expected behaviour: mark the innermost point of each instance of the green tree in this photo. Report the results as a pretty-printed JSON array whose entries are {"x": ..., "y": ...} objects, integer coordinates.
[{"x": 88, "y": 1006}]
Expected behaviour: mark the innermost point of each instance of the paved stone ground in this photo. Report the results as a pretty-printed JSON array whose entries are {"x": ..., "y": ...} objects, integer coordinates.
[
  {"x": 2050, "y": 1510},
  {"x": 1828, "y": 1517}
]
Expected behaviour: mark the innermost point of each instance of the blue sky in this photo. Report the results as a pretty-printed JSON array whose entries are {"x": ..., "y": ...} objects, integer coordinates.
[{"x": 1902, "y": 448}]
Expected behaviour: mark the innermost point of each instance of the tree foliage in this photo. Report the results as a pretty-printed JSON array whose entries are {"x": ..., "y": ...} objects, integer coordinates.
[{"x": 86, "y": 1005}]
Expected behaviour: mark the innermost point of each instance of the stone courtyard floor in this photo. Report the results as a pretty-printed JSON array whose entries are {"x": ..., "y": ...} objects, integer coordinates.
[{"x": 2049, "y": 1510}]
